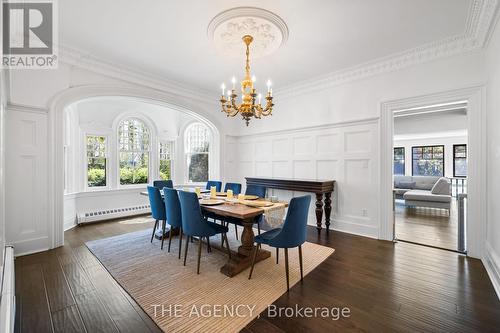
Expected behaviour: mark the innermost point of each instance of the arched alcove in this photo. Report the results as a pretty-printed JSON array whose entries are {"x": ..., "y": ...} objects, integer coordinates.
[{"x": 195, "y": 110}]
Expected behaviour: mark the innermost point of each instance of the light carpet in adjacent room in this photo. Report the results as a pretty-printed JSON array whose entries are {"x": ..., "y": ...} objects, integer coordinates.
[{"x": 209, "y": 302}]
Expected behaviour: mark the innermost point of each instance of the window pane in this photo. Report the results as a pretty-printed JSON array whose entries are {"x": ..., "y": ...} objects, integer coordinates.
[
  {"x": 197, "y": 148},
  {"x": 165, "y": 157},
  {"x": 96, "y": 161},
  {"x": 430, "y": 162},
  {"x": 460, "y": 161},
  {"x": 399, "y": 161},
  {"x": 198, "y": 167},
  {"x": 134, "y": 152}
]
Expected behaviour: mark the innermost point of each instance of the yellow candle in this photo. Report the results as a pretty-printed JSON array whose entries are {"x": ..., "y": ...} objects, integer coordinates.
[
  {"x": 213, "y": 191},
  {"x": 229, "y": 194}
]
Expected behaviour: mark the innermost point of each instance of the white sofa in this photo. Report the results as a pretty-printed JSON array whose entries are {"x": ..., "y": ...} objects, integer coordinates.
[{"x": 417, "y": 191}]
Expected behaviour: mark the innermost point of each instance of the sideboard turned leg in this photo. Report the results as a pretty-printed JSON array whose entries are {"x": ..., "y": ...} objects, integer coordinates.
[
  {"x": 319, "y": 210},
  {"x": 328, "y": 209}
]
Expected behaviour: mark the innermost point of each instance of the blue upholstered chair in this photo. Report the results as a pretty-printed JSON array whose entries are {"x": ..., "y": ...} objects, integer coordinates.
[
  {"x": 163, "y": 183},
  {"x": 217, "y": 184},
  {"x": 292, "y": 234},
  {"x": 257, "y": 190},
  {"x": 195, "y": 225},
  {"x": 173, "y": 210},
  {"x": 157, "y": 210},
  {"x": 235, "y": 187}
]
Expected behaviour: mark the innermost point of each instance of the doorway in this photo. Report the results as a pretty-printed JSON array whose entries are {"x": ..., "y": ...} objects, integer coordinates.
[
  {"x": 430, "y": 171},
  {"x": 476, "y": 172}
]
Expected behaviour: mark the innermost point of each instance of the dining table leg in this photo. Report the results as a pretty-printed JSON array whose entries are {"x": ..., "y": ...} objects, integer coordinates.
[{"x": 243, "y": 259}]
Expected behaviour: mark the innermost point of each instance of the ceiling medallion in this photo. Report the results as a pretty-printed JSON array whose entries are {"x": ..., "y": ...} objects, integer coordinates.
[{"x": 268, "y": 30}]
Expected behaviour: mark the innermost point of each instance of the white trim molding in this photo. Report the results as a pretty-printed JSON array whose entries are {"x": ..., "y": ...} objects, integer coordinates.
[
  {"x": 491, "y": 262},
  {"x": 476, "y": 126},
  {"x": 480, "y": 22}
]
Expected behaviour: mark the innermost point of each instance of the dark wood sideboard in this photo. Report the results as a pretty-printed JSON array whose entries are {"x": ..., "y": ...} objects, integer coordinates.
[{"x": 319, "y": 187}]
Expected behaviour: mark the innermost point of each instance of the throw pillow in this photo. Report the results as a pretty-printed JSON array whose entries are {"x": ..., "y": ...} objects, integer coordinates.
[
  {"x": 442, "y": 186},
  {"x": 407, "y": 185}
]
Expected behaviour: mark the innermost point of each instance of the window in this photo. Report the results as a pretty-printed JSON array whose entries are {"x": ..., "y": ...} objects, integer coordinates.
[
  {"x": 133, "y": 146},
  {"x": 96, "y": 161},
  {"x": 399, "y": 161},
  {"x": 428, "y": 161},
  {"x": 165, "y": 157},
  {"x": 459, "y": 160},
  {"x": 197, "y": 148}
]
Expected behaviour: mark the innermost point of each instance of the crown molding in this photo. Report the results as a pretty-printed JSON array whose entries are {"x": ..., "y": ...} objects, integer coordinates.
[
  {"x": 480, "y": 23},
  {"x": 84, "y": 60}
]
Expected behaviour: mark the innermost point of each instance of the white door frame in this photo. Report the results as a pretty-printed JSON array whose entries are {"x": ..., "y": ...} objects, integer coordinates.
[{"x": 476, "y": 150}]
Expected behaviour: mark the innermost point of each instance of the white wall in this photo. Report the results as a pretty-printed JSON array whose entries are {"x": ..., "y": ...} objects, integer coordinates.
[
  {"x": 447, "y": 141},
  {"x": 492, "y": 256},
  {"x": 3, "y": 103},
  {"x": 347, "y": 153}
]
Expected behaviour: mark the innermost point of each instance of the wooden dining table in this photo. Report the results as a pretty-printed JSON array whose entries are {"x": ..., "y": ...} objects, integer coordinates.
[{"x": 245, "y": 216}]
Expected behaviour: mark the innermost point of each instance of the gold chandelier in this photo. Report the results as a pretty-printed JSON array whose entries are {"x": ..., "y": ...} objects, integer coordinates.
[{"x": 248, "y": 108}]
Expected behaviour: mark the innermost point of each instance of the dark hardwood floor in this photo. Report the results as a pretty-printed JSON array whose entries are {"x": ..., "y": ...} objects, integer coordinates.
[
  {"x": 427, "y": 226},
  {"x": 387, "y": 287}
]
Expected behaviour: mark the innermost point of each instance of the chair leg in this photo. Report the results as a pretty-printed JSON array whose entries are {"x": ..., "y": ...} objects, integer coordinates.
[
  {"x": 163, "y": 233},
  {"x": 169, "y": 238},
  {"x": 277, "y": 255},
  {"x": 258, "y": 227},
  {"x": 154, "y": 229},
  {"x": 186, "y": 249},
  {"x": 236, "y": 231},
  {"x": 300, "y": 262},
  {"x": 227, "y": 245},
  {"x": 286, "y": 269},
  {"x": 199, "y": 255},
  {"x": 253, "y": 261},
  {"x": 180, "y": 241},
  {"x": 209, "y": 248}
]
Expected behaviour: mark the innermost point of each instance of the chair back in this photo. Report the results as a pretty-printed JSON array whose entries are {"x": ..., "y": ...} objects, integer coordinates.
[
  {"x": 163, "y": 183},
  {"x": 294, "y": 229},
  {"x": 193, "y": 223},
  {"x": 257, "y": 190},
  {"x": 172, "y": 207},
  {"x": 156, "y": 203},
  {"x": 217, "y": 184},
  {"x": 235, "y": 187}
]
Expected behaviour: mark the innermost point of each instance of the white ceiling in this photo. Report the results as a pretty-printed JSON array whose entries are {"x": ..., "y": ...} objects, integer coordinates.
[
  {"x": 169, "y": 38},
  {"x": 427, "y": 125}
]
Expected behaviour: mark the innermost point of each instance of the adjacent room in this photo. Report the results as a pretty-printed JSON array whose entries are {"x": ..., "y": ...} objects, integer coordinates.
[
  {"x": 249, "y": 166},
  {"x": 430, "y": 174}
]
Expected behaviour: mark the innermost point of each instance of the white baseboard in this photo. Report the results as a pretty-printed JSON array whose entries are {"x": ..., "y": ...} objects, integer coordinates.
[
  {"x": 349, "y": 227},
  {"x": 491, "y": 262},
  {"x": 29, "y": 246},
  {"x": 69, "y": 225}
]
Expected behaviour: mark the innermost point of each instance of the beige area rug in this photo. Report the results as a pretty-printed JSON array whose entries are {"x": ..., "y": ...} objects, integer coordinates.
[{"x": 179, "y": 300}]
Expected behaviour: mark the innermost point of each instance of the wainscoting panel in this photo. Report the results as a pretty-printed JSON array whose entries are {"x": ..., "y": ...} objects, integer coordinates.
[
  {"x": 348, "y": 154},
  {"x": 26, "y": 186}
]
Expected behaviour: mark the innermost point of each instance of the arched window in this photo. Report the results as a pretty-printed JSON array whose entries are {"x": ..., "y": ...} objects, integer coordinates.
[
  {"x": 133, "y": 150},
  {"x": 197, "y": 150}
]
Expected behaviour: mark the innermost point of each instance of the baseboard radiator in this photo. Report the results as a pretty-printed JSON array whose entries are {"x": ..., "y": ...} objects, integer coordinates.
[
  {"x": 107, "y": 214},
  {"x": 8, "y": 292}
]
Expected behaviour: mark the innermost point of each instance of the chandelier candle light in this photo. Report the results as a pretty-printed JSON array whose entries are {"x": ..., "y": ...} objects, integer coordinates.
[{"x": 248, "y": 108}]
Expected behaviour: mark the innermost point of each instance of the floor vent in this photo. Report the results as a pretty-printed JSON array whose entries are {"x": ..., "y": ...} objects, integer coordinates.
[{"x": 114, "y": 213}]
